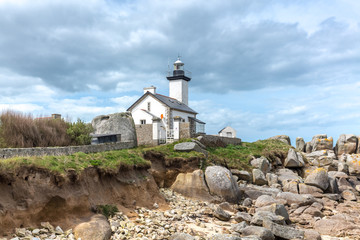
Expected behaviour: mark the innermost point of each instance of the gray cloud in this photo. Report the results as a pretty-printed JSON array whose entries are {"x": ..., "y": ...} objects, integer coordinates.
[{"x": 72, "y": 45}]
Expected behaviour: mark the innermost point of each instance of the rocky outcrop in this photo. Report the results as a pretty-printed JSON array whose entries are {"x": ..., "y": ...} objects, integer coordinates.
[
  {"x": 321, "y": 142},
  {"x": 294, "y": 159},
  {"x": 346, "y": 143},
  {"x": 222, "y": 184},
  {"x": 117, "y": 123},
  {"x": 300, "y": 144},
  {"x": 318, "y": 178},
  {"x": 283, "y": 138},
  {"x": 217, "y": 141},
  {"x": 192, "y": 185},
  {"x": 189, "y": 146}
]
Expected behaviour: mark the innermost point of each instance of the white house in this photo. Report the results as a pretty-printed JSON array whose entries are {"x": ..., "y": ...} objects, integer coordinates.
[
  {"x": 227, "y": 132},
  {"x": 160, "y": 118}
]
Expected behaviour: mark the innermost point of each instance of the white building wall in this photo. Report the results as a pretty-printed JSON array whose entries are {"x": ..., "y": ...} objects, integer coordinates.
[
  {"x": 179, "y": 89},
  {"x": 156, "y": 108},
  {"x": 228, "y": 132}
]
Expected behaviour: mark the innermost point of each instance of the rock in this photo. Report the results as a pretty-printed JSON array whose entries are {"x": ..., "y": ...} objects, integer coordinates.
[
  {"x": 278, "y": 209},
  {"x": 247, "y": 202},
  {"x": 353, "y": 161},
  {"x": 299, "y": 199},
  {"x": 343, "y": 167},
  {"x": 259, "y": 216},
  {"x": 264, "y": 200},
  {"x": 220, "y": 214},
  {"x": 261, "y": 232},
  {"x": 258, "y": 177},
  {"x": 321, "y": 158},
  {"x": 283, "y": 138},
  {"x": 348, "y": 195},
  {"x": 242, "y": 216},
  {"x": 272, "y": 179},
  {"x": 321, "y": 142},
  {"x": 227, "y": 207},
  {"x": 221, "y": 183},
  {"x": 300, "y": 144},
  {"x": 47, "y": 226},
  {"x": 294, "y": 159},
  {"x": 284, "y": 232},
  {"x": 97, "y": 228},
  {"x": 346, "y": 143},
  {"x": 291, "y": 186},
  {"x": 181, "y": 236},
  {"x": 241, "y": 174},
  {"x": 261, "y": 163},
  {"x": 333, "y": 186},
  {"x": 343, "y": 184},
  {"x": 331, "y": 226},
  {"x": 238, "y": 227},
  {"x": 188, "y": 147},
  {"x": 310, "y": 234},
  {"x": 225, "y": 237},
  {"x": 335, "y": 174},
  {"x": 285, "y": 174},
  {"x": 308, "y": 189},
  {"x": 318, "y": 178},
  {"x": 192, "y": 185},
  {"x": 117, "y": 123},
  {"x": 308, "y": 148},
  {"x": 254, "y": 191}
]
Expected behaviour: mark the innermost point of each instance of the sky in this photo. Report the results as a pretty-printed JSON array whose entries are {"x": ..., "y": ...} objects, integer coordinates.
[{"x": 263, "y": 67}]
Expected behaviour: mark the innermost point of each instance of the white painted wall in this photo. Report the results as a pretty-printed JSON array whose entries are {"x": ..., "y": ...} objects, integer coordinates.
[
  {"x": 183, "y": 115},
  {"x": 157, "y": 108},
  {"x": 179, "y": 89},
  {"x": 228, "y": 132}
]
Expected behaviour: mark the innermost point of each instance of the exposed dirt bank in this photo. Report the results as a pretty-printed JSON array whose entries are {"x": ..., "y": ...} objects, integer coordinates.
[{"x": 31, "y": 195}]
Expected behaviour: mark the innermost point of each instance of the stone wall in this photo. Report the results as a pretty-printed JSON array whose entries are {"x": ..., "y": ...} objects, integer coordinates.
[
  {"x": 58, "y": 151},
  {"x": 184, "y": 130},
  {"x": 144, "y": 134}
]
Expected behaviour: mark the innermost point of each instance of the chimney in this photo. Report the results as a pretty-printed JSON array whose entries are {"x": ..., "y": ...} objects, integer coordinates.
[{"x": 151, "y": 89}]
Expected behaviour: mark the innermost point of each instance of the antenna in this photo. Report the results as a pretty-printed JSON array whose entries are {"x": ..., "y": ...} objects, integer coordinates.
[{"x": 168, "y": 64}]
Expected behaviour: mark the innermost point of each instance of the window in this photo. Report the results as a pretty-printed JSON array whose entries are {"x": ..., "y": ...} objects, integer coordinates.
[
  {"x": 229, "y": 134},
  {"x": 149, "y": 106},
  {"x": 142, "y": 121}
]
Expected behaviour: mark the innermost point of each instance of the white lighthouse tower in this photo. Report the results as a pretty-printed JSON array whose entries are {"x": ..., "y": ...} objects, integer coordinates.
[{"x": 179, "y": 82}]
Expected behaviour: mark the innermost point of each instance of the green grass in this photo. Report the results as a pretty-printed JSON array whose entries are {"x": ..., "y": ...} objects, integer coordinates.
[
  {"x": 111, "y": 160},
  {"x": 239, "y": 156},
  {"x": 232, "y": 156}
]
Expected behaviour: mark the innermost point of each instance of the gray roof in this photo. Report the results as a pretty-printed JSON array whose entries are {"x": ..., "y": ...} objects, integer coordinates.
[
  {"x": 174, "y": 104},
  {"x": 168, "y": 101}
]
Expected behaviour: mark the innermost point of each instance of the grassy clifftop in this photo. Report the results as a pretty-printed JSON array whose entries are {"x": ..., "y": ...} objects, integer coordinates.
[{"x": 231, "y": 156}]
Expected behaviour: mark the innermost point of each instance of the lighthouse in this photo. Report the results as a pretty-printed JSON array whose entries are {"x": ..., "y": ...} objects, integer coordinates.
[{"x": 179, "y": 82}]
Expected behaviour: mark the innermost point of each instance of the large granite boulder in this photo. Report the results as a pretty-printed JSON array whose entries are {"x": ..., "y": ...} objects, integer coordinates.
[
  {"x": 259, "y": 217},
  {"x": 188, "y": 147},
  {"x": 222, "y": 184},
  {"x": 353, "y": 162},
  {"x": 300, "y": 199},
  {"x": 98, "y": 228},
  {"x": 258, "y": 177},
  {"x": 261, "y": 163},
  {"x": 283, "y": 232},
  {"x": 276, "y": 208},
  {"x": 261, "y": 232},
  {"x": 286, "y": 175},
  {"x": 294, "y": 159},
  {"x": 116, "y": 123},
  {"x": 283, "y": 138},
  {"x": 192, "y": 185},
  {"x": 321, "y": 142},
  {"x": 321, "y": 158},
  {"x": 300, "y": 144},
  {"x": 264, "y": 200},
  {"x": 347, "y": 143},
  {"x": 318, "y": 178}
]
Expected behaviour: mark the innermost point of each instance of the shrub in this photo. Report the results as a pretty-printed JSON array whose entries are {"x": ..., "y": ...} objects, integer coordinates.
[
  {"x": 20, "y": 130},
  {"x": 107, "y": 210},
  {"x": 79, "y": 132}
]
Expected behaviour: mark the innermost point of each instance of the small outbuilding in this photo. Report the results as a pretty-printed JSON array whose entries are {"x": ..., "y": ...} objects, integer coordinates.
[{"x": 227, "y": 132}]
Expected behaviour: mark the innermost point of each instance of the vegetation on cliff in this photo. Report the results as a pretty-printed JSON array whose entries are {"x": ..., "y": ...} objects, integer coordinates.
[{"x": 231, "y": 156}]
